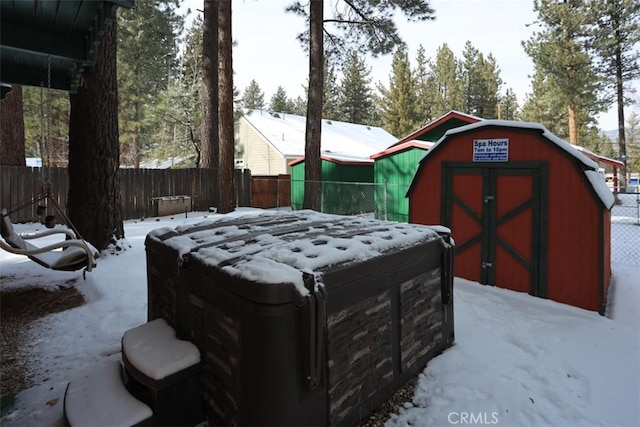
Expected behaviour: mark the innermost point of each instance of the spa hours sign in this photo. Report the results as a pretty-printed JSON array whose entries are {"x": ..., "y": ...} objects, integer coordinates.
[{"x": 491, "y": 150}]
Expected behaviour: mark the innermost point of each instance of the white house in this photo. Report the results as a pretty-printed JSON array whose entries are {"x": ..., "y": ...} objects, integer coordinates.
[{"x": 271, "y": 140}]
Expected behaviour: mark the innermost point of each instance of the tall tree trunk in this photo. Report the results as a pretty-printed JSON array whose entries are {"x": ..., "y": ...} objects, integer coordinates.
[
  {"x": 313, "y": 131},
  {"x": 573, "y": 127},
  {"x": 94, "y": 152},
  {"x": 209, "y": 125},
  {"x": 12, "y": 129},
  {"x": 622, "y": 143},
  {"x": 227, "y": 202},
  {"x": 135, "y": 142}
]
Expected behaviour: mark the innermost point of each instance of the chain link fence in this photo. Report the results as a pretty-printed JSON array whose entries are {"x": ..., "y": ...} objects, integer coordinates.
[
  {"x": 380, "y": 201},
  {"x": 625, "y": 228},
  {"x": 387, "y": 201}
]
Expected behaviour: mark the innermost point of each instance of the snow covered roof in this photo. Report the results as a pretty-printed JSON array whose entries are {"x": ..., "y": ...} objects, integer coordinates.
[
  {"x": 451, "y": 115},
  {"x": 597, "y": 157},
  {"x": 286, "y": 133},
  {"x": 337, "y": 158},
  {"x": 596, "y": 181},
  {"x": 403, "y": 146}
]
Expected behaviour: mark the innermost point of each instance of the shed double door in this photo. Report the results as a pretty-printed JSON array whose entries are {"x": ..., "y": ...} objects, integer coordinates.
[{"x": 494, "y": 212}]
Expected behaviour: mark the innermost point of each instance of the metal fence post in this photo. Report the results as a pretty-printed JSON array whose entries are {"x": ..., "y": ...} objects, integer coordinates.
[
  {"x": 384, "y": 189},
  {"x": 638, "y": 204}
]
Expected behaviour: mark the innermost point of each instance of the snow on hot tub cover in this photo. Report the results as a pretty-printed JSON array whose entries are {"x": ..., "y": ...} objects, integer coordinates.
[
  {"x": 280, "y": 255},
  {"x": 596, "y": 181}
]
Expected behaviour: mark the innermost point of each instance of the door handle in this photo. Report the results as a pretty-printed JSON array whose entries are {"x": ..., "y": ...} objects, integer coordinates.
[{"x": 486, "y": 264}]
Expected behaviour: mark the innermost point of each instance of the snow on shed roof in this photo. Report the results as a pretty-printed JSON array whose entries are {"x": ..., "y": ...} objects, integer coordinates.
[
  {"x": 424, "y": 145},
  {"x": 337, "y": 158},
  {"x": 286, "y": 133},
  {"x": 453, "y": 114},
  {"x": 603, "y": 192}
]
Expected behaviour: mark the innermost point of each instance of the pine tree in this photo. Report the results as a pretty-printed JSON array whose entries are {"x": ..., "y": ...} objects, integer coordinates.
[
  {"x": 280, "y": 103},
  {"x": 632, "y": 136},
  {"x": 424, "y": 103},
  {"x": 508, "y": 108},
  {"x": 481, "y": 83},
  {"x": 559, "y": 51},
  {"x": 398, "y": 103},
  {"x": 299, "y": 106},
  {"x": 355, "y": 102},
  {"x": 331, "y": 96},
  {"x": 545, "y": 105},
  {"x": 471, "y": 78},
  {"x": 615, "y": 35},
  {"x": 93, "y": 198},
  {"x": 146, "y": 63},
  {"x": 490, "y": 83},
  {"x": 175, "y": 117},
  {"x": 253, "y": 97},
  {"x": 226, "y": 164},
  {"x": 38, "y": 104},
  {"x": 365, "y": 24},
  {"x": 446, "y": 84},
  {"x": 209, "y": 128}
]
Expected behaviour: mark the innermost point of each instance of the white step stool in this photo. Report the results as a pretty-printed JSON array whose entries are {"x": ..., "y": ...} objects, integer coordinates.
[{"x": 162, "y": 372}]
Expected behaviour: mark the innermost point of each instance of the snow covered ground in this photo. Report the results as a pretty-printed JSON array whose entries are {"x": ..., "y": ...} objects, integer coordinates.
[{"x": 517, "y": 361}]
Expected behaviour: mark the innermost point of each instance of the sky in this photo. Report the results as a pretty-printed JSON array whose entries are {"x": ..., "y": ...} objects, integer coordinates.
[
  {"x": 267, "y": 49},
  {"x": 518, "y": 360}
]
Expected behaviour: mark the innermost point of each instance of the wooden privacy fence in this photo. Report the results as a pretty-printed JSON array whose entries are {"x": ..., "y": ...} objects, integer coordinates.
[
  {"x": 270, "y": 191},
  {"x": 138, "y": 188}
]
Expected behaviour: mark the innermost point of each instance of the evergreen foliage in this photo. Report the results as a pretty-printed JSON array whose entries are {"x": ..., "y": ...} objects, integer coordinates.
[
  {"x": 508, "y": 108},
  {"x": 399, "y": 102},
  {"x": 446, "y": 85},
  {"x": 481, "y": 83},
  {"x": 361, "y": 24},
  {"x": 559, "y": 51},
  {"x": 146, "y": 63},
  {"x": 581, "y": 51},
  {"x": 331, "y": 96},
  {"x": 299, "y": 106},
  {"x": 632, "y": 136},
  {"x": 280, "y": 103},
  {"x": 355, "y": 101},
  {"x": 424, "y": 88},
  {"x": 544, "y": 106},
  {"x": 175, "y": 118},
  {"x": 253, "y": 97},
  {"x": 38, "y": 127},
  {"x": 614, "y": 38}
]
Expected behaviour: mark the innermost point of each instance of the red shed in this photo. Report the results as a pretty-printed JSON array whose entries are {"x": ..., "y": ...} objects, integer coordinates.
[{"x": 528, "y": 211}]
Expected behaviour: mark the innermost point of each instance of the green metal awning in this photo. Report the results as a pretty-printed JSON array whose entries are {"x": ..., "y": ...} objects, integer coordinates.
[{"x": 57, "y": 35}]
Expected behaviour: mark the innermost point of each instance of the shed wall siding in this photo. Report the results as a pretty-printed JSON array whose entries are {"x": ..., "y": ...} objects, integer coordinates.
[
  {"x": 573, "y": 233},
  {"x": 396, "y": 170},
  {"x": 259, "y": 156}
]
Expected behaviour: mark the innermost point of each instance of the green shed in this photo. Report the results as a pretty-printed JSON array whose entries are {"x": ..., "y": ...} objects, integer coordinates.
[
  {"x": 347, "y": 184},
  {"x": 395, "y": 167},
  {"x": 393, "y": 171}
]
